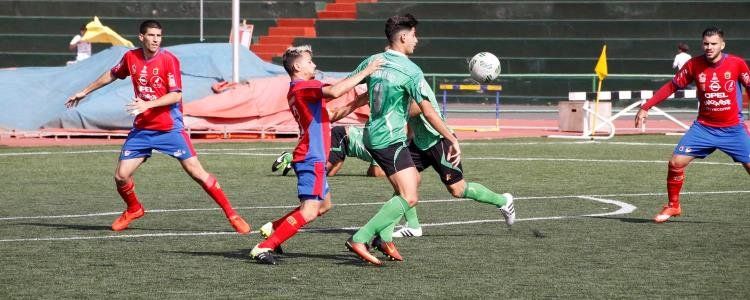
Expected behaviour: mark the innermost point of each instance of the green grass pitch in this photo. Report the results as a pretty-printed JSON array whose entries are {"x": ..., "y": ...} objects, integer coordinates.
[{"x": 584, "y": 228}]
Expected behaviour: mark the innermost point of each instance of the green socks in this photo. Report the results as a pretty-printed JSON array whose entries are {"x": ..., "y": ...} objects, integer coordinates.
[
  {"x": 412, "y": 221},
  {"x": 479, "y": 193},
  {"x": 386, "y": 217}
]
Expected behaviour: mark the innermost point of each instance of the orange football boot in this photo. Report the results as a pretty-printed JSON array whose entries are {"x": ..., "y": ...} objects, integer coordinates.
[
  {"x": 122, "y": 222},
  {"x": 239, "y": 224},
  {"x": 387, "y": 248},
  {"x": 361, "y": 250},
  {"x": 666, "y": 213}
]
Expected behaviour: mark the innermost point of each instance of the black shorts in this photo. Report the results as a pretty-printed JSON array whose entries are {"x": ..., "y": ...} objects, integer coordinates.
[
  {"x": 393, "y": 158},
  {"x": 435, "y": 157},
  {"x": 339, "y": 144}
]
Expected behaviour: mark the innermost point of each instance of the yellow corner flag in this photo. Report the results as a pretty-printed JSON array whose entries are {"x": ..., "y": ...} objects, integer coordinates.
[
  {"x": 96, "y": 32},
  {"x": 601, "y": 65}
]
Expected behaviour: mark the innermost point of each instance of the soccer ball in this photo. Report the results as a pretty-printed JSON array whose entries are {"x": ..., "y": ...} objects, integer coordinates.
[{"x": 484, "y": 67}]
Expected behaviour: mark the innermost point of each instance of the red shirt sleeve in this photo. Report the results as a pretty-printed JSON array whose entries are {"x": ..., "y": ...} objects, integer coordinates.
[
  {"x": 174, "y": 78},
  {"x": 121, "y": 69}
]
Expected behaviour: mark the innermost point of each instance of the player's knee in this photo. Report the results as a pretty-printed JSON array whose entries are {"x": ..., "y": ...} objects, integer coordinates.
[
  {"x": 411, "y": 199},
  {"x": 122, "y": 179},
  {"x": 676, "y": 165},
  {"x": 456, "y": 192}
]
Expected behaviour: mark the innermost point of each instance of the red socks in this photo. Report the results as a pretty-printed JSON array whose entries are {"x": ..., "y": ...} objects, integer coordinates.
[
  {"x": 127, "y": 192},
  {"x": 675, "y": 178},
  {"x": 287, "y": 229},
  {"x": 278, "y": 222},
  {"x": 211, "y": 186}
]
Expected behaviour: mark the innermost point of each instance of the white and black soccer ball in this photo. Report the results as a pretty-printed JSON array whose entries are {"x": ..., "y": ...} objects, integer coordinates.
[{"x": 484, "y": 67}]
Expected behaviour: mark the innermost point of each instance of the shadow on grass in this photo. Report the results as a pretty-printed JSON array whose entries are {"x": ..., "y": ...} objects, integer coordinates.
[
  {"x": 244, "y": 255},
  {"x": 651, "y": 221},
  {"x": 83, "y": 227},
  {"x": 70, "y": 226}
]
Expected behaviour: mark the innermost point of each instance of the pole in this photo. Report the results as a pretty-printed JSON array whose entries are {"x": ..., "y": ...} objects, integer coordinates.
[
  {"x": 497, "y": 110},
  {"x": 596, "y": 109},
  {"x": 201, "y": 39},
  {"x": 235, "y": 40},
  {"x": 445, "y": 103}
]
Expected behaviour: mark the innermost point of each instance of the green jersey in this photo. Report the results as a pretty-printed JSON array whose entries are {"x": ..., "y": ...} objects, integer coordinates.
[
  {"x": 356, "y": 148},
  {"x": 390, "y": 89},
  {"x": 425, "y": 136}
]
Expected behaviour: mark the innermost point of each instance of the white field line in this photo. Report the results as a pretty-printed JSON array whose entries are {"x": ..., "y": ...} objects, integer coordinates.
[
  {"x": 235, "y": 150},
  {"x": 583, "y": 160},
  {"x": 151, "y": 211},
  {"x": 624, "y": 208}
]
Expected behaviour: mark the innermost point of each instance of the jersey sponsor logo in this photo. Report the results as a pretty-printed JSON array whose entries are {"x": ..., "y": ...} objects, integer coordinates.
[
  {"x": 727, "y": 75},
  {"x": 714, "y": 85},
  {"x": 722, "y": 102},
  {"x": 142, "y": 80},
  {"x": 715, "y": 95},
  {"x": 145, "y": 89},
  {"x": 729, "y": 86}
]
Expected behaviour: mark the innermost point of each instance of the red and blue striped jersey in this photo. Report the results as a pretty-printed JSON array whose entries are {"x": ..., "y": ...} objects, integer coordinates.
[
  {"x": 152, "y": 79},
  {"x": 306, "y": 102}
]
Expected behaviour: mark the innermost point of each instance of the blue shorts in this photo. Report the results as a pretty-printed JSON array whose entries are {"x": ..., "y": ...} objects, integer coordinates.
[
  {"x": 701, "y": 140},
  {"x": 140, "y": 142},
  {"x": 312, "y": 183}
]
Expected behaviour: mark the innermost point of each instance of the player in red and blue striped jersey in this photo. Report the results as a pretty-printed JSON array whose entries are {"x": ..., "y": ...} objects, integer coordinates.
[
  {"x": 719, "y": 79},
  {"x": 307, "y": 100},
  {"x": 158, "y": 125}
]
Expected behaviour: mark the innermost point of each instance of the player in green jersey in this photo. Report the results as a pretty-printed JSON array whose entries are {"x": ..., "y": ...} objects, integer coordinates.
[
  {"x": 390, "y": 92},
  {"x": 428, "y": 150}
]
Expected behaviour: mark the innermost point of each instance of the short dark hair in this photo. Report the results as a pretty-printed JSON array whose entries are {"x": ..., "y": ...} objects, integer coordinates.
[
  {"x": 396, "y": 24},
  {"x": 713, "y": 31},
  {"x": 83, "y": 27},
  {"x": 683, "y": 47},
  {"x": 145, "y": 25},
  {"x": 291, "y": 55}
]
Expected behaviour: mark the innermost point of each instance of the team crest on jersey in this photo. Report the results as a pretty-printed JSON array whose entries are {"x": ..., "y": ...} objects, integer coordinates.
[
  {"x": 702, "y": 78},
  {"x": 715, "y": 85},
  {"x": 729, "y": 86},
  {"x": 155, "y": 71},
  {"x": 157, "y": 82},
  {"x": 727, "y": 75}
]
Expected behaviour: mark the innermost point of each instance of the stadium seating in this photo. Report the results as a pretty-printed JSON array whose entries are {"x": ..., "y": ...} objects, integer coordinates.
[
  {"x": 530, "y": 37},
  {"x": 37, "y": 32}
]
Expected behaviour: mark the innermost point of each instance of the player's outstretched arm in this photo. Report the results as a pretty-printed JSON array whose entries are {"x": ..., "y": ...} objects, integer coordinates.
[
  {"x": 661, "y": 94},
  {"x": 343, "y": 86},
  {"x": 432, "y": 117},
  {"x": 343, "y": 111},
  {"x": 103, "y": 80}
]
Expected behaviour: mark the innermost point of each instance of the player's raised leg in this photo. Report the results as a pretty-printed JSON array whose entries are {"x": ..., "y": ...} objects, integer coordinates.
[
  {"x": 209, "y": 184},
  {"x": 126, "y": 188},
  {"x": 480, "y": 193}
]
